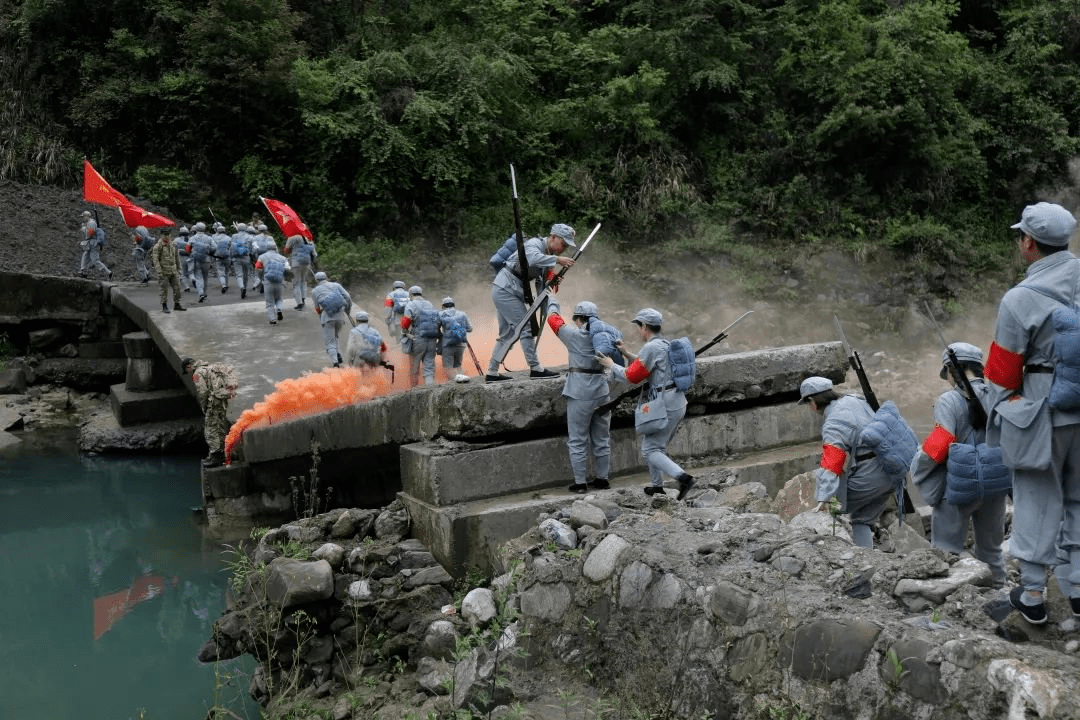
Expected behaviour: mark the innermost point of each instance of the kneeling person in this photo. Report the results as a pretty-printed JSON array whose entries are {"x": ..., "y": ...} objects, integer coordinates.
[{"x": 365, "y": 348}]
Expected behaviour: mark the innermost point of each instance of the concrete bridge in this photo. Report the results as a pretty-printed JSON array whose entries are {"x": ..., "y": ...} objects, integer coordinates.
[{"x": 473, "y": 464}]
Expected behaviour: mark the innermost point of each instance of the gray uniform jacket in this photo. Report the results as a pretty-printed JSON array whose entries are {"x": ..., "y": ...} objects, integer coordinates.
[
  {"x": 951, "y": 412},
  {"x": 585, "y": 379},
  {"x": 845, "y": 418},
  {"x": 536, "y": 253},
  {"x": 319, "y": 295},
  {"x": 654, "y": 356}
]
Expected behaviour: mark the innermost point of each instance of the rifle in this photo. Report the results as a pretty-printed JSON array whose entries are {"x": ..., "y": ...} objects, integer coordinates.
[
  {"x": 523, "y": 262},
  {"x": 720, "y": 336},
  {"x": 975, "y": 408},
  {"x": 856, "y": 364},
  {"x": 476, "y": 362},
  {"x": 388, "y": 366},
  {"x": 543, "y": 296}
]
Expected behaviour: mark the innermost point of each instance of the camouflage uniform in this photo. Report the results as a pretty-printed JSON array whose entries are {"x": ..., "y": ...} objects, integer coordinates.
[
  {"x": 215, "y": 384},
  {"x": 166, "y": 262}
]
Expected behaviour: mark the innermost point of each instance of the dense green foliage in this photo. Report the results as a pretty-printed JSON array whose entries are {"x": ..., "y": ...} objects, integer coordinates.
[{"x": 920, "y": 124}]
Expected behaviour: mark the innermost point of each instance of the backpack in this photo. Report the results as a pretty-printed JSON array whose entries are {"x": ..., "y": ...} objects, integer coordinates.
[
  {"x": 219, "y": 380},
  {"x": 99, "y": 238},
  {"x": 401, "y": 299},
  {"x": 508, "y": 248},
  {"x": 975, "y": 471},
  {"x": 454, "y": 332},
  {"x": 604, "y": 337},
  {"x": 682, "y": 363},
  {"x": 893, "y": 441},
  {"x": 328, "y": 298},
  {"x": 366, "y": 344},
  {"x": 303, "y": 253},
  {"x": 1065, "y": 387},
  {"x": 275, "y": 271},
  {"x": 427, "y": 323}
]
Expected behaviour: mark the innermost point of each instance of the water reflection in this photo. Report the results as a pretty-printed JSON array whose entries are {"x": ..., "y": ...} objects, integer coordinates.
[{"x": 107, "y": 588}]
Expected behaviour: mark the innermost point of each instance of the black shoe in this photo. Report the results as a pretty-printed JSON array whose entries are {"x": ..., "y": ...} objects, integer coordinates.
[
  {"x": 653, "y": 490},
  {"x": 299, "y": 307},
  {"x": 178, "y": 306},
  {"x": 496, "y": 377},
  {"x": 579, "y": 488},
  {"x": 243, "y": 293},
  {"x": 601, "y": 483},
  {"x": 1075, "y": 602},
  {"x": 164, "y": 307},
  {"x": 542, "y": 374},
  {"x": 260, "y": 290},
  {"x": 686, "y": 481},
  {"x": 187, "y": 289},
  {"x": 1034, "y": 614},
  {"x": 201, "y": 298},
  {"x": 213, "y": 460},
  {"x": 224, "y": 290},
  {"x": 280, "y": 316},
  {"x": 340, "y": 360},
  {"x": 109, "y": 276},
  {"x": 273, "y": 322}
]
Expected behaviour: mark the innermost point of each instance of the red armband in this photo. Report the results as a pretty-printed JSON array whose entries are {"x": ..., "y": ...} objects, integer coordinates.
[
  {"x": 833, "y": 458},
  {"x": 258, "y": 265},
  {"x": 389, "y": 302},
  {"x": 187, "y": 247},
  {"x": 382, "y": 347},
  {"x": 318, "y": 309},
  {"x": 636, "y": 372},
  {"x": 555, "y": 322},
  {"x": 937, "y": 444},
  {"x": 406, "y": 321},
  {"x": 1004, "y": 368}
]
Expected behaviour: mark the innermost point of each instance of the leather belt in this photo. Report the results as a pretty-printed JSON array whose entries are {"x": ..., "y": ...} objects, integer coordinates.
[
  {"x": 669, "y": 386},
  {"x": 586, "y": 371},
  {"x": 865, "y": 456},
  {"x": 1038, "y": 369}
]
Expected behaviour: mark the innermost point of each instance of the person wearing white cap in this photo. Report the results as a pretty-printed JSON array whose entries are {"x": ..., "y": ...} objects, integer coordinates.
[
  {"x": 455, "y": 329},
  {"x": 652, "y": 364},
  {"x": 953, "y": 423},
  {"x": 420, "y": 326},
  {"x": 1039, "y": 441},
  {"x": 849, "y": 469},
  {"x": 332, "y": 304},
  {"x": 508, "y": 294},
  {"x": 365, "y": 348}
]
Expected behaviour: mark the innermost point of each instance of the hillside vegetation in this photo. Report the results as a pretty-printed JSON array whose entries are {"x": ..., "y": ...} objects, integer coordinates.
[{"x": 727, "y": 126}]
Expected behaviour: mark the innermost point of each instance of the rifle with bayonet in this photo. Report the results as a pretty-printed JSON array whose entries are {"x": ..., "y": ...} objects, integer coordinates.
[
  {"x": 523, "y": 262},
  {"x": 976, "y": 411},
  {"x": 476, "y": 361},
  {"x": 856, "y": 364},
  {"x": 720, "y": 337},
  {"x": 542, "y": 298}
]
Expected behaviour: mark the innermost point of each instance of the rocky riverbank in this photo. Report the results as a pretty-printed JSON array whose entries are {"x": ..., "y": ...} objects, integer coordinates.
[{"x": 735, "y": 605}]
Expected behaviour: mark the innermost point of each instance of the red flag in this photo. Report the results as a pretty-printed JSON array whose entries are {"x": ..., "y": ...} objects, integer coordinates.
[
  {"x": 287, "y": 219},
  {"x": 135, "y": 216},
  {"x": 96, "y": 190}
]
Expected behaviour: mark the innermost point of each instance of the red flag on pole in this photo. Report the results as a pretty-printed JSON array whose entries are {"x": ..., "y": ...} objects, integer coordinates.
[
  {"x": 287, "y": 219},
  {"x": 134, "y": 216},
  {"x": 96, "y": 190}
]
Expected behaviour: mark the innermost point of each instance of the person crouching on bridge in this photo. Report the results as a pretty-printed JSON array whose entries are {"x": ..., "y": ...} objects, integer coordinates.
[
  {"x": 365, "y": 348},
  {"x": 849, "y": 470},
  {"x": 215, "y": 384},
  {"x": 652, "y": 364},
  {"x": 271, "y": 267},
  {"x": 585, "y": 389},
  {"x": 332, "y": 303},
  {"x": 166, "y": 260},
  {"x": 420, "y": 333}
]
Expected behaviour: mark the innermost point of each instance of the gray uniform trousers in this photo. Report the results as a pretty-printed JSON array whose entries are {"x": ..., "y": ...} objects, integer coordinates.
[
  {"x": 422, "y": 353},
  {"x": 585, "y": 389},
  {"x": 241, "y": 267},
  {"x": 221, "y": 269},
  {"x": 510, "y": 307},
  {"x": 301, "y": 273},
  {"x": 141, "y": 268},
  {"x": 201, "y": 272},
  {"x": 272, "y": 294},
  {"x": 91, "y": 258},
  {"x": 332, "y": 325}
]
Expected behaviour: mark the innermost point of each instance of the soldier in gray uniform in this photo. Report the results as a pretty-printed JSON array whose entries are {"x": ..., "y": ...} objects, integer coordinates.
[
  {"x": 92, "y": 243},
  {"x": 508, "y": 294},
  {"x": 421, "y": 327},
  {"x": 849, "y": 470},
  {"x": 240, "y": 257},
  {"x": 182, "y": 236},
  {"x": 200, "y": 246},
  {"x": 952, "y": 424},
  {"x": 301, "y": 254},
  {"x": 333, "y": 304},
  {"x": 222, "y": 255},
  {"x": 259, "y": 244},
  {"x": 455, "y": 327},
  {"x": 271, "y": 267},
  {"x": 585, "y": 389},
  {"x": 143, "y": 243},
  {"x": 652, "y": 364},
  {"x": 395, "y": 303},
  {"x": 365, "y": 348},
  {"x": 1039, "y": 442}
]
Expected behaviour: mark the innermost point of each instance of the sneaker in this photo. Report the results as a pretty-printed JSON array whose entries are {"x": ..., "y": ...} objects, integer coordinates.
[
  {"x": 178, "y": 306},
  {"x": 299, "y": 307},
  {"x": 187, "y": 289},
  {"x": 1075, "y": 602},
  {"x": 601, "y": 483},
  {"x": 686, "y": 481},
  {"x": 579, "y": 488},
  {"x": 655, "y": 490},
  {"x": 1034, "y": 614},
  {"x": 542, "y": 374},
  {"x": 496, "y": 378},
  {"x": 243, "y": 293},
  {"x": 280, "y": 316}
]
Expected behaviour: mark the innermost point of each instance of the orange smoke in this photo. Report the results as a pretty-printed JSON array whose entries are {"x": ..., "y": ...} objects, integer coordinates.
[{"x": 310, "y": 395}]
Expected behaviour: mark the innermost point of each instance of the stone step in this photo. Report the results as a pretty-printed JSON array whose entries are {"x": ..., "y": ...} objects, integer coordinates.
[
  {"x": 445, "y": 472},
  {"x": 133, "y": 408},
  {"x": 464, "y": 535},
  {"x": 477, "y": 411}
]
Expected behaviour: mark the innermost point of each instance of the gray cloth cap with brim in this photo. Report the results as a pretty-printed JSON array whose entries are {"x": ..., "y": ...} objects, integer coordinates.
[
  {"x": 812, "y": 386},
  {"x": 1047, "y": 223},
  {"x": 965, "y": 353},
  {"x": 648, "y": 316},
  {"x": 320, "y": 276},
  {"x": 361, "y": 316},
  {"x": 566, "y": 232}
]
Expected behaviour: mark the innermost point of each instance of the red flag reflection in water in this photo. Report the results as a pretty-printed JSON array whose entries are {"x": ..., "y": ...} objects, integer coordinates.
[
  {"x": 309, "y": 395},
  {"x": 108, "y": 609}
]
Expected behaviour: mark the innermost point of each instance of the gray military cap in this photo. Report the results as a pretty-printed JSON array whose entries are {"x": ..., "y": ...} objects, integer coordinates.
[
  {"x": 648, "y": 316},
  {"x": 415, "y": 290},
  {"x": 320, "y": 276},
  {"x": 447, "y": 301},
  {"x": 1047, "y": 223},
  {"x": 566, "y": 232},
  {"x": 361, "y": 317},
  {"x": 812, "y": 386},
  {"x": 965, "y": 353}
]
